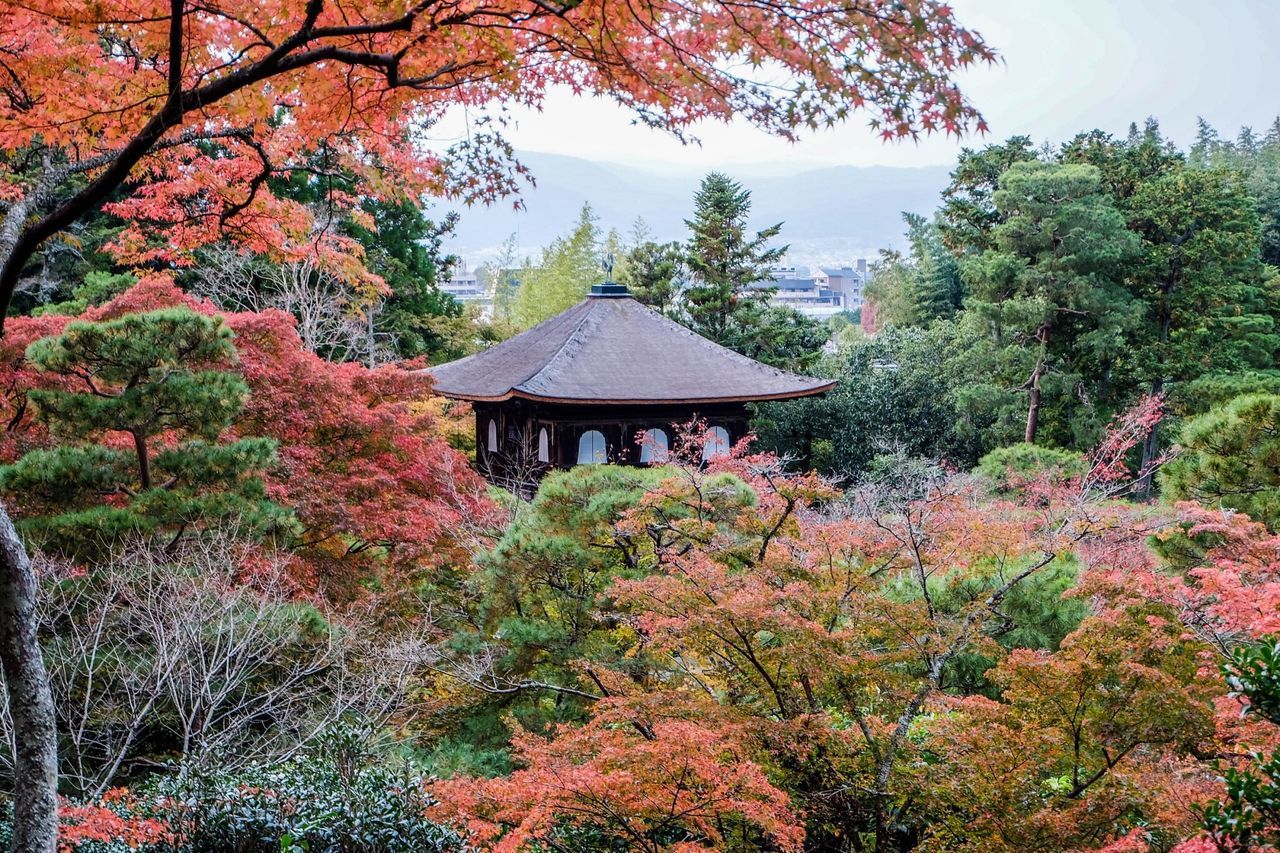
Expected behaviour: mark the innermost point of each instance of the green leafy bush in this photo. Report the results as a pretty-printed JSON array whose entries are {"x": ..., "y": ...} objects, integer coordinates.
[
  {"x": 343, "y": 797},
  {"x": 1007, "y": 467},
  {"x": 346, "y": 796}
]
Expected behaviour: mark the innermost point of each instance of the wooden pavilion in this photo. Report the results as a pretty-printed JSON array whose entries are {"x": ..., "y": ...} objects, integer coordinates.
[{"x": 605, "y": 381}]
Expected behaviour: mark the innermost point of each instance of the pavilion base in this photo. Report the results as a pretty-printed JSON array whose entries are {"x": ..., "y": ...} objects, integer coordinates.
[{"x": 518, "y": 441}]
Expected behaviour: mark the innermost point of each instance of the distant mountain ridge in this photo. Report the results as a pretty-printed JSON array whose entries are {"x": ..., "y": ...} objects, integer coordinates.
[{"x": 830, "y": 213}]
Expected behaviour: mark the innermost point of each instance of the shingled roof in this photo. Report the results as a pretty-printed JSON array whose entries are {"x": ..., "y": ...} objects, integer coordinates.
[{"x": 611, "y": 349}]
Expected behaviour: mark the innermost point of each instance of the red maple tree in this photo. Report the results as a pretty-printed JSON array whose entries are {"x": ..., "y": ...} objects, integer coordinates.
[{"x": 361, "y": 462}]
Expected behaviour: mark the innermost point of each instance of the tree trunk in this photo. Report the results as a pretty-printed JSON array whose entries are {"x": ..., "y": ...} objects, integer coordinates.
[
  {"x": 1033, "y": 407},
  {"x": 1152, "y": 442},
  {"x": 35, "y": 778},
  {"x": 144, "y": 461}
]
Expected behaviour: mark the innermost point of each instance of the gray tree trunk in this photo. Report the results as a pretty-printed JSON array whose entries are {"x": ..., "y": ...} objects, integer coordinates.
[{"x": 35, "y": 783}]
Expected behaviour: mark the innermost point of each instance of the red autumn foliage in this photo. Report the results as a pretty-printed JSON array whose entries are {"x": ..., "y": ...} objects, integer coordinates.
[
  {"x": 193, "y": 106},
  {"x": 649, "y": 781},
  {"x": 97, "y": 822},
  {"x": 816, "y": 632},
  {"x": 365, "y": 468},
  {"x": 1226, "y": 585}
]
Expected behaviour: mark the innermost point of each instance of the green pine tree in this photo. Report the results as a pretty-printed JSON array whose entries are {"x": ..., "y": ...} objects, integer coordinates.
[
  {"x": 724, "y": 261},
  {"x": 968, "y": 210},
  {"x": 158, "y": 381},
  {"x": 1048, "y": 285},
  {"x": 653, "y": 274},
  {"x": 922, "y": 286}
]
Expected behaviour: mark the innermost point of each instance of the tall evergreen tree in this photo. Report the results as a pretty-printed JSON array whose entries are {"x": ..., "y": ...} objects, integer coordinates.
[
  {"x": 1125, "y": 165},
  {"x": 1200, "y": 278},
  {"x": 1048, "y": 284},
  {"x": 968, "y": 212},
  {"x": 939, "y": 290},
  {"x": 922, "y": 286},
  {"x": 1198, "y": 275},
  {"x": 158, "y": 381},
  {"x": 1258, "y": 159},
  {"x": 724, "y": 260}
]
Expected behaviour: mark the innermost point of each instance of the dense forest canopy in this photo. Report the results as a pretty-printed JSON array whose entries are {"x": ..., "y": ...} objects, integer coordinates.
[{"x": 1013, "y": 585}]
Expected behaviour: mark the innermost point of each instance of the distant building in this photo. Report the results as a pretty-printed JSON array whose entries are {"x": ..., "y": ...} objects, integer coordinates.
[
  {"x": 849, "y": 281},
  {"x": 464, "y": 286},
  {"x": 817, "y": 292}
]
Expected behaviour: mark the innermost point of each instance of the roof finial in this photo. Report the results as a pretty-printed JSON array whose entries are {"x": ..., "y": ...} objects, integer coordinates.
[{"x": 608, "y": 287}]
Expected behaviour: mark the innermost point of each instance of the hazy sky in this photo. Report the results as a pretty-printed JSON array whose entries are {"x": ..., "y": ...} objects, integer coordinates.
[{"x": 1067, "y": 66}]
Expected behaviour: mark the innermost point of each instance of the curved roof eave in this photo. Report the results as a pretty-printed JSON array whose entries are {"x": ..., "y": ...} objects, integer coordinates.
[{"x": 595, "y": 401}]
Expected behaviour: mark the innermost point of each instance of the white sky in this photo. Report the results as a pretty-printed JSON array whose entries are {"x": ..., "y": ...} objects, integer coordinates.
[{"x": 1067, "y": 66}]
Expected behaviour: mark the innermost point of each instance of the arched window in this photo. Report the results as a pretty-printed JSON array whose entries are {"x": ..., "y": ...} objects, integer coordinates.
[
  {"x": 493, "y": 436},
  {"x": 654, "y": 447},
  {"x": 591, "y": 448},
  {"x": 544, "y": 446},
  {"x": 716, "y": 444}
]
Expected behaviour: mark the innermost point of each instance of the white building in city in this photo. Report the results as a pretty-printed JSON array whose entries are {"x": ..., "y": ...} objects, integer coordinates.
[
  {"x": 818, "y": 292},
  {"x": 465, "y": 286}
]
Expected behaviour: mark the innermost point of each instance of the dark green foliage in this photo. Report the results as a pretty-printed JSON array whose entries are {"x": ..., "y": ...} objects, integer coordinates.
[
  {"x": 1231, "y": 458},
  {"x": 654, "y": 272},
  {"x": 1125, "y": 165},
  {"x": 158, "y": 381},
  {"x": 345, "y": 796},
  {"x": 1249, "y": 817},
  {"x": 541, "y": 607},
  {"x": 724, "y": 260},
  {"x": 1048, "y": 288},
  {"x": 1205, "y": 294},
  {"x": 1038, "y": 617},
  {"x": 1092, "y": 274},
  {"x": 1200, "y": 278},
  {"x": 1254, "y": 674},
  {"x": 98, "y": 287},
  {"x": 894, "y": 395},
  {"x": 1258, "y": 160},
  {"x": 776, "y": 335},
  {"x": 968, "y": 212},
  {"x": 546, "y": 577},
  {"x": 1217, "y": 389}
]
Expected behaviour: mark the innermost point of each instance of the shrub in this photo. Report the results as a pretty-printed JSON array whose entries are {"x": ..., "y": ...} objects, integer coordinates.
[
  {"x": 1230, "y": 457},
  {"x": 1009, "y": 467},
  {"x": 345, "y": 796},
  {"x": 342, "y": 797}
]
